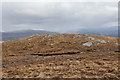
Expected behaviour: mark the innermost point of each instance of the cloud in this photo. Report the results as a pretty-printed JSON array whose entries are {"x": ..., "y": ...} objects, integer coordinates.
[
  {"x": 58, "y": 16},
  {"x": 60, "y": 0}
]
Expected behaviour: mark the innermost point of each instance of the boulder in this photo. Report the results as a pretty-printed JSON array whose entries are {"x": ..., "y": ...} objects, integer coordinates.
[{"x": 87, "y": 44}]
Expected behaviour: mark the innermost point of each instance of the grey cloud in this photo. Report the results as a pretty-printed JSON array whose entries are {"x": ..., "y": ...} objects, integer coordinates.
[{"x": 58, "y": 16}]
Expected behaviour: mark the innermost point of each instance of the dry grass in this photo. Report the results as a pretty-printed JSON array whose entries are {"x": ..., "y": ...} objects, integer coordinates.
[{"x": 97, "y": 61}]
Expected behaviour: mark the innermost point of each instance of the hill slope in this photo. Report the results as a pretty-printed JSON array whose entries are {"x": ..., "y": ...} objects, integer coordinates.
[
  {"x": 61, "y": 56},
  {"x": 60, "y": 43}
]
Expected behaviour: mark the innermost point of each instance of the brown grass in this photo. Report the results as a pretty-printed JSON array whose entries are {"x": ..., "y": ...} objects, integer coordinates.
[{"x": 97, "y": 61}]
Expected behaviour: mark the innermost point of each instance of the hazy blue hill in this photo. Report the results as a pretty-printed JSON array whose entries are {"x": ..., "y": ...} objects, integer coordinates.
[
  {"x": 112, "y": 31},
  {"x": 15, "y": 35}
]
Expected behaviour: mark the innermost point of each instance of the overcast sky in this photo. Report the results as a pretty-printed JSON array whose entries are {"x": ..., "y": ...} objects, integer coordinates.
[{"x": 59, "y": 16}]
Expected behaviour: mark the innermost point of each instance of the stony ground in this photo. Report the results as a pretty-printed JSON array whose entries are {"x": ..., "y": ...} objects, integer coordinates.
[{"x": 61, "y": 56}]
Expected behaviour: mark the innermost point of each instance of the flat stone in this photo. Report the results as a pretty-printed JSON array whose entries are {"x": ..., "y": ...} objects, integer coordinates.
[
  {"x": 88, "y": 44},
  {"x": 100, "y": 41}
]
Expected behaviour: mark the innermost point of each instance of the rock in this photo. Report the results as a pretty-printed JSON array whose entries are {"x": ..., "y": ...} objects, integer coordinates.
[
  {"x": 30, "y": 39},
  {"x": 72, "y": 59},
  {"x": 88, "y": 44},
  {"x": 50, "y": 36},
  {"x": 100, "y": 41},
  {"x": 77, "y": 36},
  {"x": 47, "y": 35},
  {"x": 49, "y": 39},
  {"x": 117, "y": 44},
  {"x": 91, "y": 38},
  {"x": 91, "y": 43}
]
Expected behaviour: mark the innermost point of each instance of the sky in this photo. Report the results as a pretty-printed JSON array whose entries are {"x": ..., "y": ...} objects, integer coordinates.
[{"x": 59, "y": 16}]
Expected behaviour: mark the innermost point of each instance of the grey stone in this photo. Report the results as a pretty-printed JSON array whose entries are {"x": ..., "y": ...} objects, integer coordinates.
[
  {"x": 91, "y": 38},
  {"x": 87, "y": 44},
  {"x": 31, "y": 38},
  {"x": 49, "y": 39},
  {"x": 91, "y": 43},
  {"x": 50, "y": 36},
  {"x": 117, "y": 44},
  {"x": 100, "y": 41},
  {"x": 77, "y": 36}
]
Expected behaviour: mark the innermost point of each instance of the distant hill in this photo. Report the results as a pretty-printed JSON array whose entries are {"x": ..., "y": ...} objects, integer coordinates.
[
  {"x": 15, "y": 35},
  {"x": 112, "y": 31}
]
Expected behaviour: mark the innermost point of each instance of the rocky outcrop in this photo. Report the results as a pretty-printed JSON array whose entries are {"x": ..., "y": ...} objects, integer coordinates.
[{"x": 96, "y": 41}]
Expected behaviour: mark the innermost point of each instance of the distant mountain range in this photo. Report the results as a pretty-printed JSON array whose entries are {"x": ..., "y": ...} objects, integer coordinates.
[
  {"x": 15, "y": 35},
  {"x": 112, "y": 31}
]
